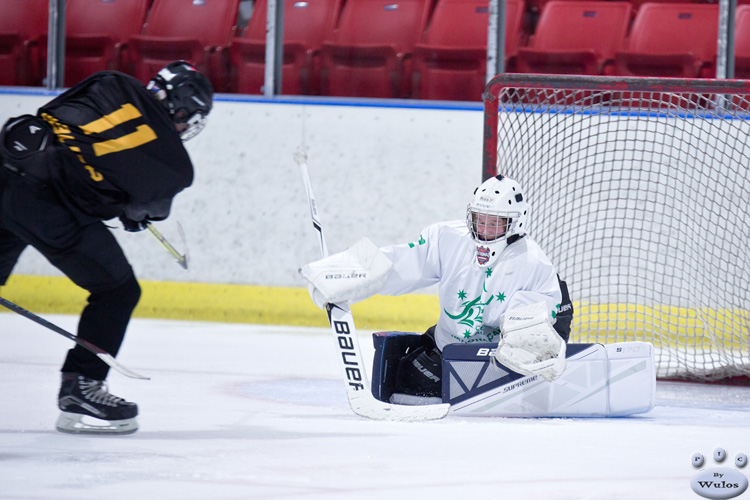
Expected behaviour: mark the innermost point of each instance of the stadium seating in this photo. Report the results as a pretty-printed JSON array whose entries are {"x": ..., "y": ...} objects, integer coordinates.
[
  {"x": 369, "y": 54},
  {"x": 306, "y": 24},
  {"x": 637, "y": 4},
  {"x": 451, "y": 62},
  {"x": 742, "y": 43},
  {"x": 671, "y": 40},
  {"x": 93, "y": 42},
  {"x": 535, "y": 7},
  {"x": 199, "y": 31},
  {"x": 22, "y": 24},
  {"x": 576, "y": 37},
  {"x": 428, "y": 49}
]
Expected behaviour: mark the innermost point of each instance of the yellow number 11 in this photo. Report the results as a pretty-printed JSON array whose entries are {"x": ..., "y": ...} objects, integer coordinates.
[{"x": 127, "y": 112}]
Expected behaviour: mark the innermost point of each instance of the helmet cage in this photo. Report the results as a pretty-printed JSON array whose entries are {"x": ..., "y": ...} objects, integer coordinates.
[
  {"x": 485, "y": 225},
  {"x": 194, "y": 125}
]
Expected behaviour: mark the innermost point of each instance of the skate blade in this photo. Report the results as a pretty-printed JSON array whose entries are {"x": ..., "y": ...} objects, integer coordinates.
[{"x": 75, "y": 423}]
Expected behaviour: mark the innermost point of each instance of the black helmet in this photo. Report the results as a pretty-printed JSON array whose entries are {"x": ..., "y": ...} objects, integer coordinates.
[{"x": 186, "y": 94}]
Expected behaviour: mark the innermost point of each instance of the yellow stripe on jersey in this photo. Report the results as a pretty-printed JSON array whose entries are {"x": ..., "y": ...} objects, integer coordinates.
[
  {"x": 126, "y": 113},
  {"x": 142, "y": 135}
]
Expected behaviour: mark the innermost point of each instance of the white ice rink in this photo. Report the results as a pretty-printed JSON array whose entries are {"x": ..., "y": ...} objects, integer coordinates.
[{"x": 258, "y": 412}]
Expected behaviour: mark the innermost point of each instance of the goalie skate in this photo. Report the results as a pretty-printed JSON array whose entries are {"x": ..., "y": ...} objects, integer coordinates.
[{"x": 88, "y": 408}]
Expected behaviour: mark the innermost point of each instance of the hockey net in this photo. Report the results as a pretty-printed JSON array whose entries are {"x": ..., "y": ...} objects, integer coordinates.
[{"x": 640, "y": 195}]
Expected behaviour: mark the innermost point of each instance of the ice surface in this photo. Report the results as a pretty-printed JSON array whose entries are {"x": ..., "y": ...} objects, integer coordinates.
[{"x": 259, "y": 412}]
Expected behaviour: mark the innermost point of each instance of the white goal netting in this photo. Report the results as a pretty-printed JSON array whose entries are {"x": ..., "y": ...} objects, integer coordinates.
[{"x": 640, "y": 195}]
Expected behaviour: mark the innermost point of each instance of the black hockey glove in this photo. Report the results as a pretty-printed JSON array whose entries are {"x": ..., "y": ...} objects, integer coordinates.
[
  {"x": 132, "y": 226},
  {"x": 420, "y": 373}
]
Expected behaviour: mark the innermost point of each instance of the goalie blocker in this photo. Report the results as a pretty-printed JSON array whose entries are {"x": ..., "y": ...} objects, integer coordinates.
[{"x": 613, "y": 380}]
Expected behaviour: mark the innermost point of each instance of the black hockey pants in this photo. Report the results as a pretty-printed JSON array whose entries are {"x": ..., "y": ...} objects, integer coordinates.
[{"x": 87, "y": 253}]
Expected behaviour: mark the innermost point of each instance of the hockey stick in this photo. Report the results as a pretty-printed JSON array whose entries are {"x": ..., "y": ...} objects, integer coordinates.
[
  {"x": 181, "y": 259},
  {"x": 361, "y": 400},
  {"x": 102, "y": 354}
]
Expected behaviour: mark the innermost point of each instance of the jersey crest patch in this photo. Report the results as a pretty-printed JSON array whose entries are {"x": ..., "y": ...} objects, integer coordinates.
[{"x": 483, "y": 255}]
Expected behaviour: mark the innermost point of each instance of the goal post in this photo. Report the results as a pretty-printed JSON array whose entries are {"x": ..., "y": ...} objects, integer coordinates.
[{"x": 640, "y": 194}]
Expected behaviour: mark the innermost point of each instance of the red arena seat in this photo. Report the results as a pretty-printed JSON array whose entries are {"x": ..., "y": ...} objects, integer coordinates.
[
  {"x": 370, "y": 52},
  {"x": 306, "y": 24},
  {"x": 451, "y": 62},
  {"x": 742, "y": 42},
  {"x": 576, "y": 37},
  {"x": 671, "y": 40},
  {"x": 198, "y": 31},
  {"x": 93, "y": 42},
  {"x": 22, "y": 25}
]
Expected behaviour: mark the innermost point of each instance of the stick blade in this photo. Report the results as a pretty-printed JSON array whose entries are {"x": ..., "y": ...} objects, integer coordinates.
[
  {"x": 364, "y": 404},
  {"x": 182, "y": 261},
  {"x": 185, "y": 257},
  {"x": 107, "y": 358}
]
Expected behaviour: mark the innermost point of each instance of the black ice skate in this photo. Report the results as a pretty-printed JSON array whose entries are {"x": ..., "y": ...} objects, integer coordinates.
[{"x": 88, "y": 408}]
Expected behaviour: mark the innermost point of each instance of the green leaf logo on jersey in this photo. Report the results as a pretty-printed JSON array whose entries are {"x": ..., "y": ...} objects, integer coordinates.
[
  {"x": 420, "y": 241},
  {"x": 471, "y": 315}
]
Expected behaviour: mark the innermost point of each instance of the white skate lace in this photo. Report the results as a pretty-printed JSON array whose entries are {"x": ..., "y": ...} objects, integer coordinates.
[{"x": 96, "y": 392}]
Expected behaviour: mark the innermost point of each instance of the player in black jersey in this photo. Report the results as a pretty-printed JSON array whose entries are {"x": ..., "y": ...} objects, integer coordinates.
[{"x": 108, "y": 147}]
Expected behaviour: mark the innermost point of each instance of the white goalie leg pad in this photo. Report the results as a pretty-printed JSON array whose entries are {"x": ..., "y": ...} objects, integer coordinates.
[
  {"x": 529, "y": 344},
  {"x": 75, "y": 423},
  {"x": 598, "y": 381},
  {"x": 349, "y": 276}
]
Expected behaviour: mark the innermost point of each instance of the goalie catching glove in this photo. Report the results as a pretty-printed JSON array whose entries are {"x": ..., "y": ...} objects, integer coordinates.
[
  {"x": 529, "y": 344},
  {"x": 352, "y": 275}
]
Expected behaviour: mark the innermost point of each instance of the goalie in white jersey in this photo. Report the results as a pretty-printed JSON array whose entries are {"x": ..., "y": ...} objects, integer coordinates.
[{"x": 495, "y": 284}]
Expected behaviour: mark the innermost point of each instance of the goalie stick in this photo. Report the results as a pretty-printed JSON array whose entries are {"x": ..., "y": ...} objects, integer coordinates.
[
  {"x": 101, "y": 353},
  {"x": 361, "y": 400}
]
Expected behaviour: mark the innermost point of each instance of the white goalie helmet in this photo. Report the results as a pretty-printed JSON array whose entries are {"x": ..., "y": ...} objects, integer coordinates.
[{"x": 496, "y": 216}]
